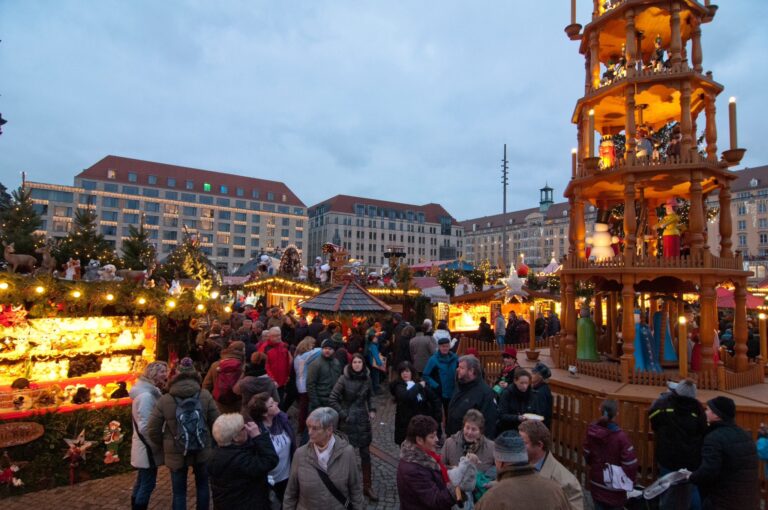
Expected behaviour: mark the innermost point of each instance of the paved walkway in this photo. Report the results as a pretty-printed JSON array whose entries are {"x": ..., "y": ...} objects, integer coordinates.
[{"x": 114, "y": 493}]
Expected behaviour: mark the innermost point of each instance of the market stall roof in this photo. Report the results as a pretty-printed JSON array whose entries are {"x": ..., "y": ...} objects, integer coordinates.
[
  {"x": 443, "y": 264},
  {"x": 425, "y": 282},
  {"x": 552, "y": 268},
  {"x": 491, "y": 294},
  {"x": 348, "y": 297},
  {"x": 725, "y": 299}
]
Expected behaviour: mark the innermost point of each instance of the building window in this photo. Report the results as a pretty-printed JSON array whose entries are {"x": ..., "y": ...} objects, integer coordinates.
[
  {"x": 223, "y": 227},
  {"x": 763, "y": 238},
  {"x": 742, "y": 239},
  {"x": 110, "y": 187},
  {"x": 742, "y": 225},
  {"x": 131, "y": 190},
  {"x": 111, "y": 174},
  {"x": 189, "y": 211},
  {"x": 270, "y": 196},
  {"x": 224, "y": 202},
  {"x": 239, "y": 229},
  {"x": 741, "y": 210},
  {"x": 132, "y": 177},
  {"x": 206, "y": 186},
  {"x": 240, "y": 192},
  {"x": 171, "y": 195},
  {"x": 238, "y": 240},
  {"x": 151, "y": 192},
  {"x": 89, "y": 185},
  {"x": 241, "y": 216},
  {"x": 130, "y": 218},
  {"x": 190, "y": 184},
  {"x": 171, "y": 182},
  {"x": 151, "y": 179},
  {"x": 255, "y": 230},
  {"x": 222, "y": 252},
  {"x": 225, "y": 215},
  {"x": 284, "y": 232},
  {"x": 254, "y": 193},
  {"x": 110, "y": 202},
  {"x": 170, "y": 235},
  {"x": 224, "y": 190},
  {"x": 206, "y": 199},
  {"x": 109, "y": 215},
  {"x": 109, "y": 230},
  {"x": 240, "y": 204}
]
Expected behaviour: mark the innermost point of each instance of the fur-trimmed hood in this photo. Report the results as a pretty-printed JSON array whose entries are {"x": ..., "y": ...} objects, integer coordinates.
[{"x": 410, "y": 452}]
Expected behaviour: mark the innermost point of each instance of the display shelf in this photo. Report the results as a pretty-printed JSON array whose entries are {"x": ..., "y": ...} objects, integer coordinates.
[{"x": 12, "y": 414}]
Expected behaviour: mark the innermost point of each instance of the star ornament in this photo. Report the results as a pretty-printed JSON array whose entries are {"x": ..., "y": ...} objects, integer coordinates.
[
  {"x": 78, "y": 447},
  {"x": 514, "y": 285}
]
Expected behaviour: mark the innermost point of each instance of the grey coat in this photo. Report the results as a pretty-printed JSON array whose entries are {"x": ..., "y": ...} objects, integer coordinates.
[
  {"x": 162, "y": 428},
  {"x": 422, "y": 348},
  {"x": 351, "y": 398}
]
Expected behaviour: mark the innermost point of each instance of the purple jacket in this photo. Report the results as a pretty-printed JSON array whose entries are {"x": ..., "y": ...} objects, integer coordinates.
[
  {"x": 607, "y": 443},
  {"x": 420, "y": 484}
]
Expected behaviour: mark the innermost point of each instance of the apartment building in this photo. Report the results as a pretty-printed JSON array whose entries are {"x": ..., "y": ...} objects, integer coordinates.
[
  {"x": 749, "y": 213},
  {"x": 368, "y": 228},
  {"x": 236, "y": 217}
]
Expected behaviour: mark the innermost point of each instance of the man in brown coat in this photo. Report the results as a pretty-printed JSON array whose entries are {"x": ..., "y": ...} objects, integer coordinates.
[
  {"x": 519, "y": 487},
  {"x": 422, "y": 347},
  {"x": 538, "y": 443},
  {"x": 331, "y": 454}
]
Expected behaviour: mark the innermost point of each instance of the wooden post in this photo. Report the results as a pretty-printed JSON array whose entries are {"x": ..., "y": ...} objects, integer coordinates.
[
  {"x": 594, "y": 59},
  {"x": 763, "y": 338},
  {"x": 629, "y": 125},
  {"x": 696, "y": 217},
  {"x": 570, "y": 327},
  {"x": 686, "y": 129},
  {"x": 726, "y": 225},
  {"x": 696, "y": 53},
  {"x": 599, "y": 321},
  {"x": 740, "y": 326},
  {"x": 628, "y": 327},
  {"x": 612, "y": 326},
  {"x": 682, "y": 346},
  {"x": 630, "y": 45},
  {"x": 573, "y": 162},
  {"x": 676, "y": 44},
  {"x": 706, "y": 327},
  {"x": 579, "y": 227},
  {"x": 630, "y": 221},
  {"x": 591, "y": 133},
  {"x": 532, "y": 329},
  {"x": 710, "y": 131}
]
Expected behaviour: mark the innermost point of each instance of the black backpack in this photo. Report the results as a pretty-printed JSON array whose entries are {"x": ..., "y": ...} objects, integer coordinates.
[{"x": 192, "y": 431}]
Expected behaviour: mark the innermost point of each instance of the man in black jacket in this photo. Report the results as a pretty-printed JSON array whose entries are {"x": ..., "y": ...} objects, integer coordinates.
[
  {"x": 678, "y": 424},
  {"x": 728, "y": 475},
  {"x": 471, "y": 393},
  {"x": 240, "y": 465}
]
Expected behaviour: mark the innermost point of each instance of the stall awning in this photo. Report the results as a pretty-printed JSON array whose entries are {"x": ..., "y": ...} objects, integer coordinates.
[
  {"x": 348, "y": 297},
  {"x": 725, "y": 299}
]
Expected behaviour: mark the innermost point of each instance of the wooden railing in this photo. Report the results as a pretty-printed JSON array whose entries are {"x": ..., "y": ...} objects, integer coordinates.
[
  {"x": 705, "y": 261},
  {"x": 575, "y": 408}
]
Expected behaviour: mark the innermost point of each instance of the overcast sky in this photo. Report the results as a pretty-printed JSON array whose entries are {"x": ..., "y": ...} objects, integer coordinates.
[{"x": 409, "y": 101}]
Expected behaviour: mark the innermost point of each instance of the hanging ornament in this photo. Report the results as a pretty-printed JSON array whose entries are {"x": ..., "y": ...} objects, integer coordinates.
[
  {"x": 113, "y": 436},
  {"x": 76, "y": 452},
  {"x": 8, "y": 471}
]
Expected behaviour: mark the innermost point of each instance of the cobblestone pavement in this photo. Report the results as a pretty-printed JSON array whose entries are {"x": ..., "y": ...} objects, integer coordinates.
[{"x": 114, "y": 492}]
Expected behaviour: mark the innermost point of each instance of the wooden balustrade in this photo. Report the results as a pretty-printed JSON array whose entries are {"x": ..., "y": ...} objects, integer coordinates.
[
  {"x": 575, "y": 408},
  {"x": 707, "y": 261}
]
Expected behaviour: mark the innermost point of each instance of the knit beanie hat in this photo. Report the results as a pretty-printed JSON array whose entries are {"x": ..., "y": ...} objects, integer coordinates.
[
  {"x": 186, "y": 366},
  {"x": 509, "y": 447},
  {"x": 543, "y": 370},
  {"x": 684, "y": 388},
  {"x": 328, "y": 343},
  {"x": 723, "y": 407}
]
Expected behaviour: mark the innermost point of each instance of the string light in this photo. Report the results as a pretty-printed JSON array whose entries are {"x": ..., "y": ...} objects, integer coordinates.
[
  {"x": 110, "y": 297},
  {"x": 142, "y": 301},
  {"x": 214, "y": 294},
  {"x": 170, "y": 303},
  {"x": 228, "y": 309},
  {"x": 200, "y": 307},
  {"x": 3, "y": 285},
  {"x": 76, "y": 294},
  {"x": 39, "y": 289}
]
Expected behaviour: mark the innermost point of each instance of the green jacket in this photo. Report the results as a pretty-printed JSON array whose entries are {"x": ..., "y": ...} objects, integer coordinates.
[{"x": 322, "y": 375}]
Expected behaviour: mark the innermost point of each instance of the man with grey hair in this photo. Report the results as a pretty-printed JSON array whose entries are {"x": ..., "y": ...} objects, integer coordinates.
[
  {"x": 279, "y": 361},
  {"x": 471, "y": 393},
  {"x": 518, "y": 485},
  {"x": 324, "y": 472}
]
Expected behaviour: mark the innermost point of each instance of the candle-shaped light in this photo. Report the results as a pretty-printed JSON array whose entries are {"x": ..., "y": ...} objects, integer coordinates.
[
  {"x": 573, "y": 12},
  {"x": 763, "y": 337},
  {"x": 532, "y": 329},
  {"x": 732, "y": 120},
  {"x": 682, "y": 346},
  {"x": 591, "y": 133},
  {"x": 574, "y": 153}
]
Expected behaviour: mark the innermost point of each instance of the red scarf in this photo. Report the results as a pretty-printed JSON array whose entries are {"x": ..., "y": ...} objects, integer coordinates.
[{"x": 439, "y": 460}]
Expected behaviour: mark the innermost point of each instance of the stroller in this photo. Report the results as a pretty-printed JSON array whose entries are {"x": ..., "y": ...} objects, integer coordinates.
[{"x": 647, "y": 498}]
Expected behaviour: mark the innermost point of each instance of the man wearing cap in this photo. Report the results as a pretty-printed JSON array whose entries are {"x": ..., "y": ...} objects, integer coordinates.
[
  {"x": 440, "y": 373},
  {"x": 509, "y": 364},
  {"x": 678, "y": 424},
  {"x": 728, "y": 475},
  {"x": 519, "y": 486},
  {"x": 322, "y": 375}
]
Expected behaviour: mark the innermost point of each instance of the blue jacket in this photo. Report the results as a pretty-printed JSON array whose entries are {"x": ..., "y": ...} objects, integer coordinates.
[
  {"x": 446, "y": 366},
  {"x": 762, "y": 451}
]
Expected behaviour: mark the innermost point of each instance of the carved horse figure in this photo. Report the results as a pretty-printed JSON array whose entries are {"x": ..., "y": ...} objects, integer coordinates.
[
  {"x": 16, "y": 261},
  {"x": 138, "y": 276}
]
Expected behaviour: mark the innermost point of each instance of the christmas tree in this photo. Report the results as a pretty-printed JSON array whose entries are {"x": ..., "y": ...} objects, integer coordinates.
[
  {"x": 19, "y": 221},
  {"x": 138, "y": 251},
  {"x": 85, "y": 243},
  {"x": 189, "y": 261}
]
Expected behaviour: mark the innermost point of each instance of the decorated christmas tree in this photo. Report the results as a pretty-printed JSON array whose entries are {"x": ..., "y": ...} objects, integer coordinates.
[
  {"x": 138, "y": 251},
  {"x": 85, "y": 243},
  {"x": 19, "y": 221},
  {"x": 189, "y": 261}
]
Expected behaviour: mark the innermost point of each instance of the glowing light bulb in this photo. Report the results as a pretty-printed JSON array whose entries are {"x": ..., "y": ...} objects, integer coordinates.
[
  {"x": 681, "y": 319},
  {"x": 170, "y": 303},
  {"x": 214, "y": 294},
  {"x": 3, "y": 285},
  {"x": 110, "y": 297},
  {"x": 200, "y": 307},
  {"x": 228, "y": 309},
  {"x": 76, "y": 294},
  {"x": 142, "y": 301},
  {"x": 39, "y": 289}
]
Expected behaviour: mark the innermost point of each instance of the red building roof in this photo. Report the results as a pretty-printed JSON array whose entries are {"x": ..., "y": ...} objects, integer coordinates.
[
  {"x": 346, "y": 204},
  {"x": 144, "y": 169}
]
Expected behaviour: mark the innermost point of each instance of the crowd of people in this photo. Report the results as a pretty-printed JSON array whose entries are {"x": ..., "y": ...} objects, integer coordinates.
[{"x": 221, "y": 411}]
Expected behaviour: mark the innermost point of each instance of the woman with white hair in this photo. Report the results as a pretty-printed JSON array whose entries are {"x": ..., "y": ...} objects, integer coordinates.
[
  {"x": 144, "y": 456},
  {"x": 240, "y": 464},
  {"x": 324, "y": 472}
]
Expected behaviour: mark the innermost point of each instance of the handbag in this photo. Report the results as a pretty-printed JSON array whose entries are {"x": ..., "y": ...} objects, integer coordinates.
[
  {"x": 340, "y": 497},
  {"x": 615, "y": 478}
]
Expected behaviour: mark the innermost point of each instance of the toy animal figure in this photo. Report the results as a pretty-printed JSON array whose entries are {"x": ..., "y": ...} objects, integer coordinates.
[
  {"x": 107, "y": 273},
  {"x": 92, "y": 271},
  {"x": 49, "y": 263},
  {"x": 113, "y": 436},
  {"x": 136, "y": 276},
  {"x": 16, "y": 261},
  {"x": 72, "y": 271}
]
